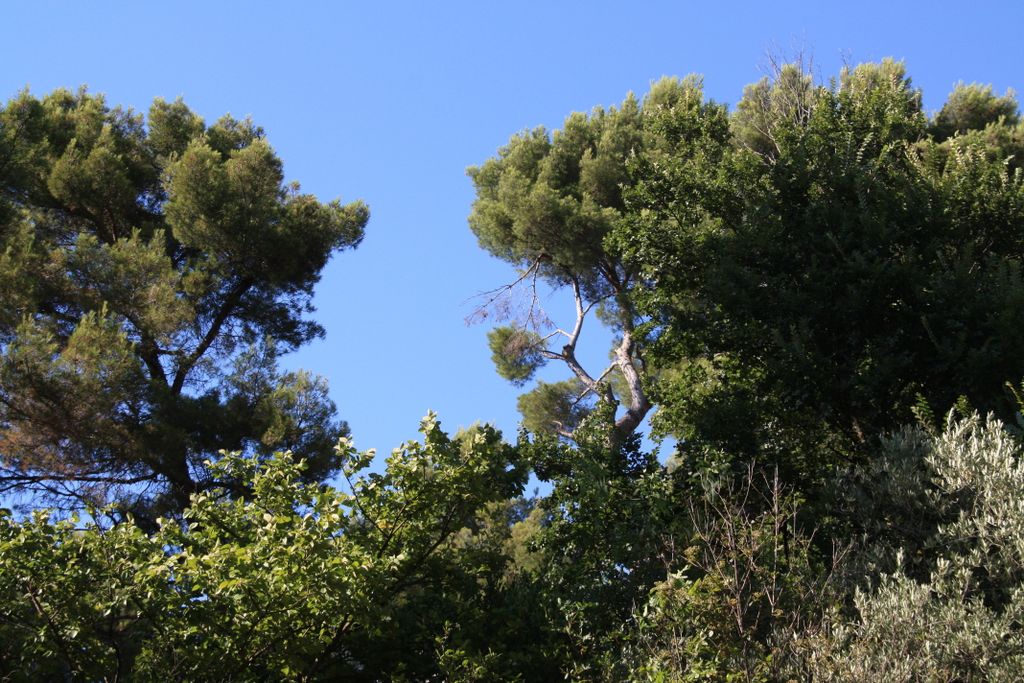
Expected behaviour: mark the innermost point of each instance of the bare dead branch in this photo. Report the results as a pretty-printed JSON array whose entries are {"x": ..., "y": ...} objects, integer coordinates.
[{"x": 500, "y": 299}]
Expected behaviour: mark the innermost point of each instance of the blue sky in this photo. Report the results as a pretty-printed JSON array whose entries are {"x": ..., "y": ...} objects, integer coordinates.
[{"x": 390, "y": 102}]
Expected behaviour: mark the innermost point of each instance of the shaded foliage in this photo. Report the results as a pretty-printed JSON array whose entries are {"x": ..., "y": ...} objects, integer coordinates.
[
  {"x": 810, "y": 284},
  {"x": 950, "y": 607}
]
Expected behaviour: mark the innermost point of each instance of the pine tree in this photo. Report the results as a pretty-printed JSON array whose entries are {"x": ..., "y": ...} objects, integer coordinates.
[{"x": 151, "y": 272}]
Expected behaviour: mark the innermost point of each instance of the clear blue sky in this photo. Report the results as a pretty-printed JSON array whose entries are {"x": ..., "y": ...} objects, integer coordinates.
[{"x": 390, "y": 102}]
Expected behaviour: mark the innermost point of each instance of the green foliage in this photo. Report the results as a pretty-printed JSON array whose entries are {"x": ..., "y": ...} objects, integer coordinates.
[
  {"x": 554, "y": 407},
  {"x": 552, "y": 199},
  {"x": 952, "y": 609},
  {"x": 293, "y": 581},
  {"x": 549, "y": 204},
  {"x": 973, "y": 107},
  {"x": 807, "y": 285},
  {"x": 137, "y": 260},
  {"x": 907, "y": 631},
  {"x": 498, "y": 628},
  {"x": 601, "y": 542},
  {"x": 76, "y": 602},
  {"x": 820, "y": 267},
  {"x": 743, "y": 576},
  {"x": 770, "y": 106},
  {"x": 790, "y": 283},
  {"x": 516, "y": 353}
]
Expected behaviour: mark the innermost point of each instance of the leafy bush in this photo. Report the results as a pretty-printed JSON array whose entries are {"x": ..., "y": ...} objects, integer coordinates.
[
  {"x": 745, "y": 580},
  {"x": 290, "y": 581},
  {"x": 962, "y": 619}
]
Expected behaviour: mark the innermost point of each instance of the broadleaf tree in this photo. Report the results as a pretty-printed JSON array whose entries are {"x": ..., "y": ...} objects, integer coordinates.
[
  {"x": 296, "y": 581},
  {"x": 152, "y": 270},
  {"x": 857, "y": 263}
]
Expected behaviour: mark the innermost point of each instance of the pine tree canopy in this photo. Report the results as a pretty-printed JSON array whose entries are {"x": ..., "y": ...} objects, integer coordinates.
[{"x": 151, "y": 271}]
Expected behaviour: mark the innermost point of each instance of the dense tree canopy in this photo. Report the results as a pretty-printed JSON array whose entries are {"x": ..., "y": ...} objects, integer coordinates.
[
  {"x": 151, "y": 270},
  {"x": 297, "y": 581},
  {"x": 797, "y": 287},
  {"x": 844, "y": 267},
  {"x": 811, "y": 268},
  {"x": 797, "y": 278}
]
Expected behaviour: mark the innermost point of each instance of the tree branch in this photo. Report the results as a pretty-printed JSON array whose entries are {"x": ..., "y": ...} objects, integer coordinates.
[
  {"x": 494, "y": 295},
  {"x": 227, "y": 307},
  {"x": 568, "y": 355},
  {"x": 640, "y": 405}
]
